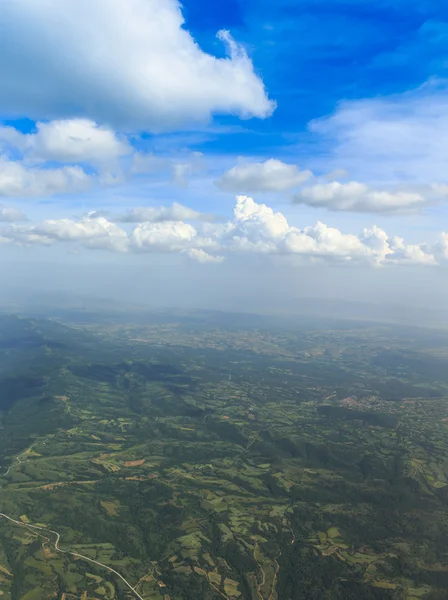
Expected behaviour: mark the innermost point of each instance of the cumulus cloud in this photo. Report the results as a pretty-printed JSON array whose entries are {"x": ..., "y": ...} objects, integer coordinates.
[
  {"x": 170, "y": 236},
  {"x": 9, "y": 214},
  {"x": 441, "y": 247},
  {"x": 67, "y": 141},
  {"x": 394, "y": 138},
  {"x": 411, "y": 254},
  {"x": 90, "y": 155},
  {"x": 258, "y": 228},
  {"x": 270, "y": 176},
  {"x": 254, "y": 229},
  {"x": 27, "y": 160},
  {"x": 132, "y": 64},
  {"x": 358, "y": 197},
  {"x": 18, "y": 180},
  {"x": 27, "y": 165}
]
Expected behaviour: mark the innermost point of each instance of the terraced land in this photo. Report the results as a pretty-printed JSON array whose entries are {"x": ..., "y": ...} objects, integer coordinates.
[{"x": 178, "y": 458}]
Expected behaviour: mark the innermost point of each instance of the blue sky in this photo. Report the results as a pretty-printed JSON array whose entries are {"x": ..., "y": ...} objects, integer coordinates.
[
  {"x": 309, "y": 130},
  {"x": 313, "y": 54}
]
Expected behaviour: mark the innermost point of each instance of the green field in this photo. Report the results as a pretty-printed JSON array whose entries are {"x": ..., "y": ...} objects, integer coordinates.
[{"x": 202, "y": 456}]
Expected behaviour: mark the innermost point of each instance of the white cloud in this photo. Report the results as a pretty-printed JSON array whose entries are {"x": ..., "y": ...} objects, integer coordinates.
[
  {"x": 9, "y": 214},
  {"x": 26, "y": 236},
  {"x": 201, "y": 256},
  {"x": 396, "y": 138},
  {"x": 75, "y": 142},
  {"x": 131, "y": 64},
  {"x": 67, "y": 141},
  {"x": 254, "y": 229},
  {"x": 152, "y": 214},
  {"x": 169, "y": 236},
  {"x": 18, "y": 180},
  {"x": 441, "y": 247},
  {"x": 270, "y": 176},
  {"x": 358, "y": 197},
  {"x": 27, "y": 160},
  {"x": 257, "y": 228},
  {"x": 92, "y": 233},
  {"x": 410, "y": 254}
]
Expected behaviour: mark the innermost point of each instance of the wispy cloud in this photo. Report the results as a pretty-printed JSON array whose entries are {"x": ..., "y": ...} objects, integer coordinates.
[{"x": 399, "y": 138}]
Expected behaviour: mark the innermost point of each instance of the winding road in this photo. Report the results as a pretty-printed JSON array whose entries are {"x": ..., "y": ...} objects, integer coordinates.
[
  {"x": 58, "y": 536},
  {"x": 75, "y": 554},
  {"x": 13, "y": 464}
]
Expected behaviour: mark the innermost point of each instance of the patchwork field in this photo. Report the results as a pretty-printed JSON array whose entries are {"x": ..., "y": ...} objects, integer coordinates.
[{"x": 176, "y": 458}]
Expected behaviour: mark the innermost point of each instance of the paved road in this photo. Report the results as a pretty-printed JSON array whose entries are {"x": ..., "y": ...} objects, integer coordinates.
[{"x": 56, "y": 545}]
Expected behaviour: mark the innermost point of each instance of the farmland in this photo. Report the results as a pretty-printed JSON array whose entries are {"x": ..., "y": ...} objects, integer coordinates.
[{"x": 203, "y": 456}]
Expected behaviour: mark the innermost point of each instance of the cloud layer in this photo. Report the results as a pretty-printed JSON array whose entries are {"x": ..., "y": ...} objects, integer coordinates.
[
  {"x": 74, "y": 155},
  {"x": 131, "y": 64},
  {"x": 326, "y": 192},
  {"x": 255, "y": 229}
]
